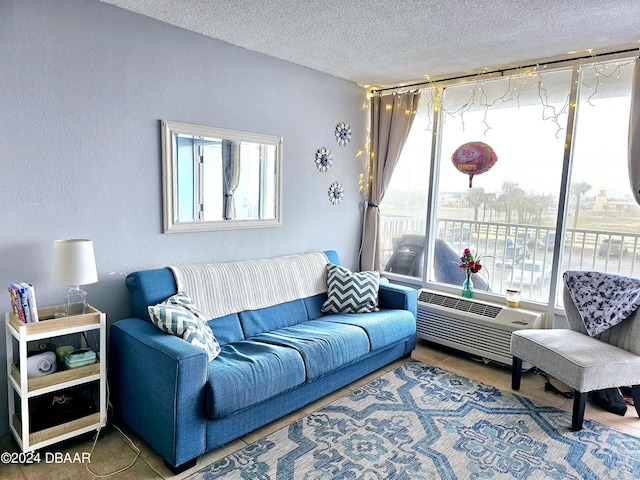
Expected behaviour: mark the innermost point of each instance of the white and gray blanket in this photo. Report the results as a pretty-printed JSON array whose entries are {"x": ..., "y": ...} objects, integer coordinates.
[
  {"x": 602, "y": 299},
  {"x": 219, "y": 289}
]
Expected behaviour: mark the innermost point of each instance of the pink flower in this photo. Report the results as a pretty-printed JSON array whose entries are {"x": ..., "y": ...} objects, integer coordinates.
[{"x": 468, "y": 263}]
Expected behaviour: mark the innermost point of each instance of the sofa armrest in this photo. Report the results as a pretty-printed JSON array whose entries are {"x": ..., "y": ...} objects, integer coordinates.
[
  {"x": 391, "y": 295},
  {"x": 157, "y": 386}
]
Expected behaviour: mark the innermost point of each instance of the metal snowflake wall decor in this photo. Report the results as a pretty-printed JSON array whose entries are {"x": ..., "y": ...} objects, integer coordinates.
[
  {"x": 324, "y": 159},
  {"x": 336, "y": 193},
  {"x": 343, "y": 134}
]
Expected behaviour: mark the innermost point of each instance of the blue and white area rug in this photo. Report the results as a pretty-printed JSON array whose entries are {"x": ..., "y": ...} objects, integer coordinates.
[{"x": 423, "y": 422}]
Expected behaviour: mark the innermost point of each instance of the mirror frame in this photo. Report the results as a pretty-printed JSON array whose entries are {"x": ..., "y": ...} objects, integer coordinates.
[{"x": 170, "y": 187}]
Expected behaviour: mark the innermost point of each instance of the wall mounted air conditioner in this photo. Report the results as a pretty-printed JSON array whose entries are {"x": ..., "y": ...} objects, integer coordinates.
[{"x": 474, "y": 326}]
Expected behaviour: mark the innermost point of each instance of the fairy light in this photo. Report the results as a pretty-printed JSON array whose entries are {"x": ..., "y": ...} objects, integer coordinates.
[
  {"x": 431, "y": 105},
  {"x": 531, "y": 76},
  {"x": 600, "y": 72},
  {"x": 465, "y": 106},
  {"x": 363, "y": 185},
  {"x": 366, "y": 177},
  {"x": 547, "y": 106},
  {"x": 479, "y": 99}
]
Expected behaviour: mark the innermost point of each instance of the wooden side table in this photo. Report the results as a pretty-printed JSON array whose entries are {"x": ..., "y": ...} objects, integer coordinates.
[{"x": 22, "y": 389}]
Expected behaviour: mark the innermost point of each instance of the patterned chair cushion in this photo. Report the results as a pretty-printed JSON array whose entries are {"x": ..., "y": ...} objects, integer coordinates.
[
  {"x": 350, "y": 292},
  {"x": 178, "y": 316}
]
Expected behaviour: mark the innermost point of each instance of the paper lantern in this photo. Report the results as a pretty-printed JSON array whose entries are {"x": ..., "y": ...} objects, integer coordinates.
[{"x": 474, "y": 158}]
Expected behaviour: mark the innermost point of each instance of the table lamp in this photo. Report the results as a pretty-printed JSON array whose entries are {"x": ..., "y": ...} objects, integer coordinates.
[{"x": 74, "y": 264}]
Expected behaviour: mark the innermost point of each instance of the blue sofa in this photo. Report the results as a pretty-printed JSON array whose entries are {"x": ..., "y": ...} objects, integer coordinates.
[{"x": 272, "y": 362}]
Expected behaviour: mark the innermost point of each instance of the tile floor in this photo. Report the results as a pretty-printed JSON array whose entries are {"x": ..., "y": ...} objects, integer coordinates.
[{"x": 113, "y": 453}]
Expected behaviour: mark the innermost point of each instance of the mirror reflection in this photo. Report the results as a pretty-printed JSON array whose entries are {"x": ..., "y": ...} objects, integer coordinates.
[{"x": 219, "y": 179}]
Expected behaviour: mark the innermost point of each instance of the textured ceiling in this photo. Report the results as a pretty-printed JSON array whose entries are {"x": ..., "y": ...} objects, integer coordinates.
[{"x": 393, "y": 42}]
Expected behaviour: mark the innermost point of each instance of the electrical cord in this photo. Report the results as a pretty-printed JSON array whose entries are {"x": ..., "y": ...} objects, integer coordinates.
[
  {"x": 130, "y": 442},
  {"x": 549, "y": 387}
]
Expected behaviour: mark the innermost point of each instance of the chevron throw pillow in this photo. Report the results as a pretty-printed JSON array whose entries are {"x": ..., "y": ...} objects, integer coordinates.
[
  {"x": 178, "y": 316},
  {"x": 350, "y": 292}
]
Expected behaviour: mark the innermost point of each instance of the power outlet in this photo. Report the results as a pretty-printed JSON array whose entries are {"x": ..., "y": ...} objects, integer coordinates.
[{"x": 43, "y": 343}]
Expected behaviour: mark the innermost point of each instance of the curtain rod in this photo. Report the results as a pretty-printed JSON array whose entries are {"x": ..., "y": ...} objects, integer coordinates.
[{"x": 502, "y": 70}]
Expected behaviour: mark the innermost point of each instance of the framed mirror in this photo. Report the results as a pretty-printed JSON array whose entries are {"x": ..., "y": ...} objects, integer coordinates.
[{"x": 219, "y": 179}]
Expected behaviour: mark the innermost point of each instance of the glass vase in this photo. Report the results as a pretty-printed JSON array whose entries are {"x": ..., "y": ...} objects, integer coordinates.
[{"x": 467, "y": 287}]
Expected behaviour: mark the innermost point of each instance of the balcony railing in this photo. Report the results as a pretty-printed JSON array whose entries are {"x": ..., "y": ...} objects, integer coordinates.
[{"x": 520, "y": 256}]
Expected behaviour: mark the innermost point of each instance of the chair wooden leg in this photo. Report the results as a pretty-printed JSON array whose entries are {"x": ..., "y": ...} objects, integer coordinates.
[
  {"x": 516, "y": 373},
  {"x": 579, "y": 402},
  {"x": 635, "y": 394}
]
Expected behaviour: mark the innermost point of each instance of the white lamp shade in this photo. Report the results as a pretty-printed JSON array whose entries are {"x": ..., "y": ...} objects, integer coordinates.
[{"x": 74, "y": 262}]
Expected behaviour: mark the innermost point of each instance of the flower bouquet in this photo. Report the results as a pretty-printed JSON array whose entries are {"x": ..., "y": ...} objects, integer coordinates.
[{"x": 470, "y": 263}]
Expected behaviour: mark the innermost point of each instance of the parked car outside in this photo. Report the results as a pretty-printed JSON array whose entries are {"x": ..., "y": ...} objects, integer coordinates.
[
  {"x": 526, "y": 238},
  {"x": 531, "y": 272},
  {"x": 455, "y": 234},
  {"x": 613, "y": 247},
  {"x": 459, "y": 247},
  {"x": 512, "y": 256},
  {"x": 548, "y": 241}
]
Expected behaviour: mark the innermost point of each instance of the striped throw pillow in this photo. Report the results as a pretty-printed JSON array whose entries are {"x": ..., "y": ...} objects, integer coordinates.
[
  {"x": 350, "y": 292},
  {"x": 178, "y": 316}
]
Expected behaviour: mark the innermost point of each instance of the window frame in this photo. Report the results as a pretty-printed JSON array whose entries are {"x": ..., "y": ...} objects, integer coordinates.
[{"x": 551, "y": 305}]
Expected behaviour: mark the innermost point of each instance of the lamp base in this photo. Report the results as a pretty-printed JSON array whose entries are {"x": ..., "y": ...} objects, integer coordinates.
[{"x": 76, "y": 302}]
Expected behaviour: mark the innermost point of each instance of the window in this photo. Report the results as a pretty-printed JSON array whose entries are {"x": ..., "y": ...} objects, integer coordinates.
[
  {"x": 603, "y": 218},
  {"x": 509, "y": 216}
]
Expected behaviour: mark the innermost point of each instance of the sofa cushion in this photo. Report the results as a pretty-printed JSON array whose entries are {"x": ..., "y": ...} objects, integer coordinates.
[
  {"x": 350, "y": 292},
  {"x": 266, "y": 319},
  {"x": 178, "y": 316},
  {"x": 314, "y": 306},
  {"x": 324, "y": 346},
  {"x": 248, "y": 372},
  {"x": 227, "y": 329},
  {"x": 383, "y": 327}
]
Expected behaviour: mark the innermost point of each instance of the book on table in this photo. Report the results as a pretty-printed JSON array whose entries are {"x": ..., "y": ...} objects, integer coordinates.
[{"x": 23, "y": 301}]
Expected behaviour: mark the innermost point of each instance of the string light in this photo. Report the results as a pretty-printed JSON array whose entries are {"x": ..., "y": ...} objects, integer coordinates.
[
  {"x": 430, "y": 105},
  {"x": 478, "y": 98},
  {"x": 546, "y": 106},
  {"x": 599, "y": 69}
]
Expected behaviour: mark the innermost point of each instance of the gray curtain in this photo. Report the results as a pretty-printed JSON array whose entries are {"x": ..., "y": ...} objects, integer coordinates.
[
  {"x": 634, "y": 133},
  {"x": 231, "y": 176},
  {"x": 391, "y": 119}
]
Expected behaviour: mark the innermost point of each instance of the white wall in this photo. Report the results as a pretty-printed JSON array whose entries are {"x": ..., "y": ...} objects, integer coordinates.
[{"x": 83, "y": 86}]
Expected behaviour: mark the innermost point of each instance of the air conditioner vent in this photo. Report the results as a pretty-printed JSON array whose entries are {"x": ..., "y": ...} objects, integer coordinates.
[
  {"x": 482, "y": 309},
  {"x": 480, "y": 328},
  {"x": 450, "y": 302}
]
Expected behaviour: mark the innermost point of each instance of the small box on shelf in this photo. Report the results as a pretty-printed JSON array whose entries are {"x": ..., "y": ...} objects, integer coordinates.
[
  {"x": 59, "y": 377},
  {"x": 62, "y": 406}
]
